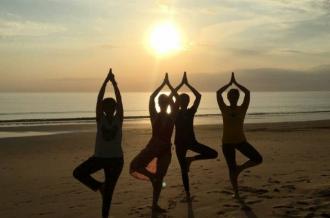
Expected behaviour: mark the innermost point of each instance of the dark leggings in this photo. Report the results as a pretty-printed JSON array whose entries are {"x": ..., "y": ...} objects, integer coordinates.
[
  {"x": 245, "y": 148},
  {"x": 204, "y": 152},
  {"x": 112, "y": 168}
]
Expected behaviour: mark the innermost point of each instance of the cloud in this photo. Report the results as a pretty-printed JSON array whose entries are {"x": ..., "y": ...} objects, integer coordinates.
[
  {"x": 12, "y": 28},
  {"x": 268, "y": 79}
]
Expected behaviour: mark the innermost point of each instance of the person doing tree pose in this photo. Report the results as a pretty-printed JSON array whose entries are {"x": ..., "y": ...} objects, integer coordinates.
[
  {"x": 108, "y": 153},
  {"x": 153, "y": 161},
  {"x": 233, "y": 137},
  {"x": 184, "y": 134}
]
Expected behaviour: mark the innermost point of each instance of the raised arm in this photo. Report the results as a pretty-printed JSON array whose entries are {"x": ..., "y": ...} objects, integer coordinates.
[
  {"x": 174, "y": 92},
  {"x": 152, "y": 108},
  {"x": 100, "y": 96},
  {"x": 198, "y": 96},
  {"x": 179, "y": 86},
  {"x": 220, "y": 100},
  {"x": 120, "y": 110},
  {"x": 246, "y": 92}
]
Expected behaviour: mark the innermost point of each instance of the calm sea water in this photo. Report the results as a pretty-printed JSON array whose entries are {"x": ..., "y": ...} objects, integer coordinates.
[{"x": 264, "y": 106}]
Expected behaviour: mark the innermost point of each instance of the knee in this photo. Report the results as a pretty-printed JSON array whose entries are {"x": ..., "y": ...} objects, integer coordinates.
[
  {"x": 213, "y": 154},
  {"x": 133, "y": 167},
  {"x": 258, "y": 159},
  {"x": 76, "y": 173}
]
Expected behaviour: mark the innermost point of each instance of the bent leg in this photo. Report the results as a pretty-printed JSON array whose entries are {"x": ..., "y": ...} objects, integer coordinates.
[
  {"x": 204, "y": 153},
  {"x": 112, "y": 172},
  {"x": 181, "y": 155},
  {"x": 83, "y": 173},
  {"x": 138, "y": 166},
  {"x": 249, "y": 151},
  {"x": 230, "y": 156}
]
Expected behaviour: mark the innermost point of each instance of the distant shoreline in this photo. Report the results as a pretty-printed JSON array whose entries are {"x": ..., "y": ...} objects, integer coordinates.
[{"x": 137, "y": 118}]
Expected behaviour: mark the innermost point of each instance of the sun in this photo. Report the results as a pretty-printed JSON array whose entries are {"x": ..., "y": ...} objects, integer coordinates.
[{"x": 165, "y": 38}]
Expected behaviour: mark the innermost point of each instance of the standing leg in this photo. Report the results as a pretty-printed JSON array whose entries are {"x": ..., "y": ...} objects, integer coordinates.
[
  {"x": 181, "y": 155},
  {"x": 83, "y": 173},
  {"x": 204, "y": 152},
  {"x": 162, "y": 165},
  {"x": 230, "y": 155},
  {"x": 157, "y": 187},
  {"x": 249, "y": 151},
  {"x": 112, "y": 171}
]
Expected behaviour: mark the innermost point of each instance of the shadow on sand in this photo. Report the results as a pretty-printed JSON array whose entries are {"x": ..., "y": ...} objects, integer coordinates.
[
  {"x": 248, "y": 212},
  {"x": 190, "y": 210}
]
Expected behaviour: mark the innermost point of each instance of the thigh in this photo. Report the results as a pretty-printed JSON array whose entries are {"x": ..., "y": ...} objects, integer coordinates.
[
  {"x": 230, "y": 155},
  {"x": 143, "y": 158},
  {"x": 113, "y": 169},
  {"x": 200, "y": 148},
  {"x": 181, "y": 153},
  {"x": 249, "y": 151},
  {"x": 89, "y": 166}
]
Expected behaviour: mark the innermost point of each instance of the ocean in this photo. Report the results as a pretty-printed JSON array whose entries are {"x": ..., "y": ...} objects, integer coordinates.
[{"x": 264, "y": 106}]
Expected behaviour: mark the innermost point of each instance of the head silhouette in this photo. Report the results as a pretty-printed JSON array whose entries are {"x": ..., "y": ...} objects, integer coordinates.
[
  {"x": 233, "y": 96},
  {"x": 184, "y": 100},
  {"x": 109, "y": 106},
  {"x": 163, "y": 102}
]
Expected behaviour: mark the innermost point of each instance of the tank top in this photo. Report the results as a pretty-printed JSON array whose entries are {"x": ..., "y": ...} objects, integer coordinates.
[
  {"x": 108, "y": 138},
  {"x": 184, "y": 126},
  {"x": 233, "y": 120}
]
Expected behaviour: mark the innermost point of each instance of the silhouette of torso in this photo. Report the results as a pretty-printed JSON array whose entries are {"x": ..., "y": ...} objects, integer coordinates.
[
  {"x": 162, "y": 127},
  {"x": 108, "y": 138},
  {"x": 184, "y": 126},
  {"x": 233, "y": 120}
]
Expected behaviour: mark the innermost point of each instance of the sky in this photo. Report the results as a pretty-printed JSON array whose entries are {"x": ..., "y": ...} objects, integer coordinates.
[{"x": 68, "y": 45}]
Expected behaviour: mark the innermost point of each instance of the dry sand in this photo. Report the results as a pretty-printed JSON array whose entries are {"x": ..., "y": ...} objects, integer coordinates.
[{"x": 293, "y": 181}]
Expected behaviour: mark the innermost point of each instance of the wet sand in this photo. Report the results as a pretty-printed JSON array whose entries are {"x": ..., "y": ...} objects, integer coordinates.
[{"x": 293, "y": 181}]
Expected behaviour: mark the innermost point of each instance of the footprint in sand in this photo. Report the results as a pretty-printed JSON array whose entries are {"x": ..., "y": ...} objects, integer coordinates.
[
  {"x": 171, "y": 204},
  {"x": 221, "y": 212},
  {"x": 192, "y": 199},
  {"x": 290, "y": 188},
  {"x": 273, "y": 181},
  {"x": 283, "y": 206},
  {"x": 276, "y": 190},
  {"x": 253, "y": 190},
  {"x": 226, "y": 192},
  {"x": 231, "y": 205},
  {"x": 254, "y": 201},
  {"x": 215, "y": 192},
  {"x": 324, "y": 193}
]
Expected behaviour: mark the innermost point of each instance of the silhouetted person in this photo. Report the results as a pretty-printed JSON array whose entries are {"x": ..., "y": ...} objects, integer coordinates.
[
  {"x": 185, "y": 137},
  {"x": 153, "y": 161},
  {"x": 233, "y": 134},
  {"x": 108, "y": 152}
]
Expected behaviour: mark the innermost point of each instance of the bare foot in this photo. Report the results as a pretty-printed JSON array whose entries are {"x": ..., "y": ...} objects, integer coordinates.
[
  {"x": 188, "y": 197},
  {"x": 236, "y": 196},
  {"x": 158, "y": 209}
]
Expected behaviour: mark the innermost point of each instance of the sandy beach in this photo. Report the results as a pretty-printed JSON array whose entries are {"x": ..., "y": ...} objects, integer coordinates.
[{"x": 293, "y": 181}]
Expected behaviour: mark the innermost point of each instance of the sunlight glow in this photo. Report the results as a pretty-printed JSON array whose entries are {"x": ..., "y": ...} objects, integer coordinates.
[{"x": 165, "y": 38}]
